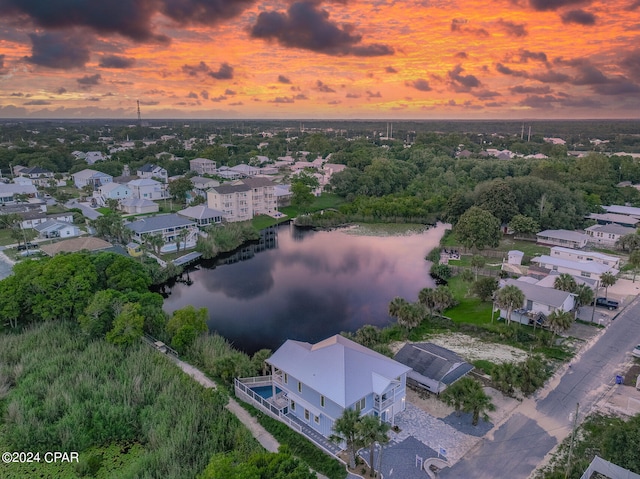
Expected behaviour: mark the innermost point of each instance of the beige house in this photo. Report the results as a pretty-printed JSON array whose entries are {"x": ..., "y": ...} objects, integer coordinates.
[
  {"x": 203, "y": 166},
  {"x": 242, "y": 200}
]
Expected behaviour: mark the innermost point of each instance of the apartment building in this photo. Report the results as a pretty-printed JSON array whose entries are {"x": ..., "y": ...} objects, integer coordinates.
[{"x": 242, "y": 200}]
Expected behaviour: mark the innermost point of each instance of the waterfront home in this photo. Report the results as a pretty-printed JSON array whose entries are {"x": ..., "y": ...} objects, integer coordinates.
[
  {"x": 202, "y": 215},
  {"x": 539, "y": 302},
  {"x": 312, "y": 384},
  {"x": 169, "y": 227}
]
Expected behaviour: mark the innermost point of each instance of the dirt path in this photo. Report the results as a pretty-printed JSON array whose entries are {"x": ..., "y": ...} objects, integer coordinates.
[{"x": 261, "y": 434}]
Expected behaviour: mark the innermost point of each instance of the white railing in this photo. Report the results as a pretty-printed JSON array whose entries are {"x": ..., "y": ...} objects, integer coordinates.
[{"x": 381, "y": 405}]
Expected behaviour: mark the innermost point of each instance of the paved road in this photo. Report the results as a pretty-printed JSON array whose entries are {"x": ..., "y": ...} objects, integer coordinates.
[
  {"x": 87, "y": 211},
  {"x": 519, "y": 444}
]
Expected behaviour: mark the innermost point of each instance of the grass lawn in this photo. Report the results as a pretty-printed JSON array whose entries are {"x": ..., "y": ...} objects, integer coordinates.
[
  {"x": 322, "y": 202},
  {"x": 507, "y": 243},
  {"x": 490, "y": 263},
  {"x": 261, "y": 222},
  {"x": 5, "y": 237},
  {"x": 104, "y": 210},
  {"x": 56, "y": 209},
  {"x": 469, "y": 309}
]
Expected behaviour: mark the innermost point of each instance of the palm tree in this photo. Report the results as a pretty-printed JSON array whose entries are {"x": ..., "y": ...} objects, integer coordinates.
[
  {"x": 442, "y": 299},
  {"x": 181, "y": 237},
  {"x": 425, "y": 297},
  {"x": 560, "y": 321},
  {"x": 505, "y": 377},
  {"x": 510, "y": 297},
  {"x": 584, "y": 295},
  {"x": 477, "y": 402},
  {"x": 155, "y": 241},
  {"x": 396, "y": 305},
  {"x": 410, "y": 316},
  {"x": 372, "y": 430},
  {"x": 454, "y": 395},
  {"x": 565, "y": 282},
  {"x": 634, "y": 261},
  {"x": 606, "y": 280},
  {"x": 345, "y": 429}
]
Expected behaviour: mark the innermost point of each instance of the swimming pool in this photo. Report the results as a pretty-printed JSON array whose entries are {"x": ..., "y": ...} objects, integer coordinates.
[{"x": 264, "y": 391}]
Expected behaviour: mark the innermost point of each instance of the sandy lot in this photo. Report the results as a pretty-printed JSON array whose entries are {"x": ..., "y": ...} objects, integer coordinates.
[{"x": 472, "y": 349}]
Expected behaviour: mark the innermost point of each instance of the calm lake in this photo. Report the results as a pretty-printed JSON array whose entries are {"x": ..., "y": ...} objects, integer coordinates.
[{"x": 306, "y": 285}]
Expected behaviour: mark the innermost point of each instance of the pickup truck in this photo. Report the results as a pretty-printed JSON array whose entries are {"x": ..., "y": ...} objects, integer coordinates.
[{"x": 607, "y": 303}]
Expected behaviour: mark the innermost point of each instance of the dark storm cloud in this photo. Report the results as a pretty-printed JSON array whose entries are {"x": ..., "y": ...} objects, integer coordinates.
[
  {"x": 324, "y": 88},
  {"x": 371, "y": 94},
  {"x": 192, "y": 95},
  {"x": 460, "y": 82},
  {"x": 633, "y": 6},
  {"x": 589, "y": 75},
  {"x": 115, "y": 61},
  {"x": 130, "y": 18},
  {"x": 204, "y": 94},
  {"x": 390, "y": 70},
  {"x": 305, "y": 26},
  {"x": 37, "y": 102},
  {"x": 505, "y": 70},
  {"x": 462, "y": 55},
  {"x": 225, "y": 72},
  {"x": 19, "y": 93},
  {"x": 88, "y": 81},
  {"x": 61, "y": 90},
  {"x": 2, "y": 57},
  {"x": 514, "y": 29},
  {"x": 420, "y": 84},
  {"x": 59, "y": 50},
  {"x": 229, "y": 92},
  {"x": 580, "y": 17},
  {"x": 283, "y": 79},
  {"x": 546, "y": 5},
  {"x": 536, "y": 90}
]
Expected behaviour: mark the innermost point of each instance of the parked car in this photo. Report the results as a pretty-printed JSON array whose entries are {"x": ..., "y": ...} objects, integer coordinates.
[
  {"x": 636, "y": 351},
  {"x": 607, "y": 303},
  {"x": 23, "y": 247}
]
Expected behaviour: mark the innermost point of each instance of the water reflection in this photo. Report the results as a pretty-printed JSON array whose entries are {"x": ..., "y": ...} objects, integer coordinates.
[{"x": 306, "y": 285}]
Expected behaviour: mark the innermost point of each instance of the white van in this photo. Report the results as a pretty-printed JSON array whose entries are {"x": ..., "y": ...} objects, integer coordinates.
[{"x": 636, "y": 351}]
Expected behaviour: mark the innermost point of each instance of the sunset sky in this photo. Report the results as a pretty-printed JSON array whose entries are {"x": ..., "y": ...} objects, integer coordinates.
[{"x": 408, "y": 59}]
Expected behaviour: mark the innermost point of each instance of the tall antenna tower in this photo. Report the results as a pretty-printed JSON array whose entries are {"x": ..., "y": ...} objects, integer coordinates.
[{"x": 139, "y": 117}]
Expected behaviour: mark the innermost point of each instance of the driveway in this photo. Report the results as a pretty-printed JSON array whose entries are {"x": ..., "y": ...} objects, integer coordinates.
[
  {"x": 519, "y": 444},
  {"x": 87, "y": 211}
]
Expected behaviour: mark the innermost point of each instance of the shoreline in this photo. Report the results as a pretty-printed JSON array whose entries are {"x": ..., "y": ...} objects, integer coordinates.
[{"x": 4, "y": 259}]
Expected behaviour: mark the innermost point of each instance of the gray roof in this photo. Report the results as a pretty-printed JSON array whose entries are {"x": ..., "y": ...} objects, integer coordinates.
[
  {"x": 623, "y": 210},
  {"x": 230, "y": 189},
  {"x": 614, "y": 218},
  {"x": 158, "y": 223},
  {"x": 13, "y": 189},
  {"x": 433, "y": 362},
  {"x": 338, "y": 368},
  {"x": 136, "y": 202},
  {"x": 612, "y": 229},
  {"x": 540, "y": 294},
  {"x": 587, "y": 266},
  {"x": 257, "y": 182},
  {"x": 564, "y": 235},
  {"x": 200, "y": 212}
]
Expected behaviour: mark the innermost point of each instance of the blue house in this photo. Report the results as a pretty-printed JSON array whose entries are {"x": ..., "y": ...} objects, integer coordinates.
[{"x": 312, "y": 384}]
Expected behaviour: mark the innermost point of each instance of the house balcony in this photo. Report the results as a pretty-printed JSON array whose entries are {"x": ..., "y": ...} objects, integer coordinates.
[{"x": 258, "y": 391}]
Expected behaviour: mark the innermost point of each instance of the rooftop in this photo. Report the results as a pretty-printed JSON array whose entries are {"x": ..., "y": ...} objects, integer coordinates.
[
  {"x": 158, "y": 223},
  {"x": 540, "y": 294},
  {"x": 586, "y": 266},
  {"x": 338, "y": 368},
  {"x": 563, "y": 235}
]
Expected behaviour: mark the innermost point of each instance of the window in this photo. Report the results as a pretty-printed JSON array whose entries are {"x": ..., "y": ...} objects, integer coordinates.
[
  {"x": 322, "y": 401},
  {"x": 293, "y": 406},
  {"x": 286, "y": 378},
  {"x": 585, "y": 274},
  {"x": 316, "y": 419},
  {"x": 360, "y": 405},
  {"x": 306, "y": 414},
  {"x": 299, "y": 387}
]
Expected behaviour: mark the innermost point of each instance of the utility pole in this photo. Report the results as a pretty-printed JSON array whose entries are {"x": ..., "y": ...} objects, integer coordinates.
[{"x": 573, "y": 435}]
